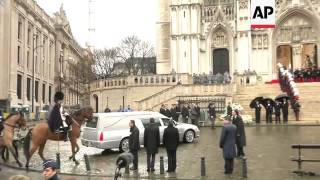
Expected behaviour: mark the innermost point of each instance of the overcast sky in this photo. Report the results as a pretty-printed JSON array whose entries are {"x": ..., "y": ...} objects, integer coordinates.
[{"x": 114, "y": 19}]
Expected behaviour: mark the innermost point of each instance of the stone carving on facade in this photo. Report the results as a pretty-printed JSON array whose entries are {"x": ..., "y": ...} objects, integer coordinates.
[
  {"x": 260, "y": 41},
  {"x": 220, "y": 38},
  {"x": 243, "y": 4}
]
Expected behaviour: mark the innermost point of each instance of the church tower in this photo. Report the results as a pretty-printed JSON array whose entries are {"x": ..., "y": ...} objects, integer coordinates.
[{"x": 163, "y": 37}]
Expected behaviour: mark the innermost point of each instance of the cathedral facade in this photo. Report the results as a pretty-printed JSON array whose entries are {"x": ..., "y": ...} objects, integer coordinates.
[{"x": 204, "y": 36}]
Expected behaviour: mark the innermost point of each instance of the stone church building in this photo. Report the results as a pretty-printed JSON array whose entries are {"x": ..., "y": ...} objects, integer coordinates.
[{"x": 203, "y": 36}]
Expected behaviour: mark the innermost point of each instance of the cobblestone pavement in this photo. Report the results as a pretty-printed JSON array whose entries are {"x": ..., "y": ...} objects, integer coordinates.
[{"x": 268, "y": 153}]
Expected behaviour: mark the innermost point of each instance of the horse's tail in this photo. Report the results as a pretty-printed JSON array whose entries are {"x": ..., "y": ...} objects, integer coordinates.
[{"x": 26, "y": 145}]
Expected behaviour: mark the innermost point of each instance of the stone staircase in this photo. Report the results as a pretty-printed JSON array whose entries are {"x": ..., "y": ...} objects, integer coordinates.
[
  {"x": 309, "y": 99},
  {"x": 171, "y": 95}
]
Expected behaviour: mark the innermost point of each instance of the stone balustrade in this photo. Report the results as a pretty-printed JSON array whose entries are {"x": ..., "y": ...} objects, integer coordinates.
[{"x": 142, "y": 80}]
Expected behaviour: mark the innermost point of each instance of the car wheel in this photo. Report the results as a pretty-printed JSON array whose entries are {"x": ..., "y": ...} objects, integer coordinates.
[
  {"x": 124, "y": 145},
  {"x": 189, "y": 136}
]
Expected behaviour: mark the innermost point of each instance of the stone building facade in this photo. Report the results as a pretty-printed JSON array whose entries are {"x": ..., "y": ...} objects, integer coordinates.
[
  {"x": 203, "y": 36},
  {"x": 29, "y": 52}
]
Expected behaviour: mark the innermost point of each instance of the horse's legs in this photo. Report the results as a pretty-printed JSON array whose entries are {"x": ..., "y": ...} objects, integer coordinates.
[
  {"x": 2, "y": 151},
  {"x": 73, "y": 146},
  {"x": 40, "y": 152},
  {"x": 12, "y": 150},
  {"x": 32, "y": 151}
]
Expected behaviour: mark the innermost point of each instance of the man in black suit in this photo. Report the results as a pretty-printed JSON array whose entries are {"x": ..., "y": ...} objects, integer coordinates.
[
  {"x": 277, "y": 111},
  {"x": 212, "y": 114},
  {"x": 171, "y": 142},
  {"x": 174, "y": 112},
  {"x": 240, "y": 135},
  {"x": 257, "y": 108},
  {"x": 151, "y": 143},
  {"x": 134, "y": 144},
  {"x": 227, "y": 143},
  {"x": 162, "y": 110},
  {"x": 285, "y": 111},
  {"x": 185, "y": 113},
  {"x": 229, "y": 109},
  {"x": 269, "y": 110}
]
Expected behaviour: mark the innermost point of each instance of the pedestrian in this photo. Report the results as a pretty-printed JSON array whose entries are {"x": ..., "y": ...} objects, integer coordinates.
[
  {"x": 194, "y": 114},
  {"x": 171, "y": 142},
  {"x": 257, "y": 108},
  {"x": 174, "y": 112},
  {"x": 285, "y": 110},
  {"x": 57, "y": 118},
  {"x": 107, "y": 110},
  {"x": 120, "y": 108},
  {"x": 296, "y": 109},
  {"x": 134, "y": 144},
  {"x": 167, "y": 111},
  {"x": 50, "y": 170},
  {"x": 128, "y": 109},
  {"x": 151, "y": 143},
  {"x": 162, "y": 110},
  {"x": 240, "y": 135},
  {"x": 229, "y": 110},
  {"x": 185, "y": 113},
  {"x": 227, "y": 144},
  {"x": 269, "y": 110},
  {"x": 277, "y": 111},
  {"x": 212, "y": 114}
]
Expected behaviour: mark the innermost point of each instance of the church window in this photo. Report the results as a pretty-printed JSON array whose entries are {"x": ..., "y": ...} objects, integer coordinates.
[
  {"x": 184, "y": 13},
  {"x": 185, "y": 54}
]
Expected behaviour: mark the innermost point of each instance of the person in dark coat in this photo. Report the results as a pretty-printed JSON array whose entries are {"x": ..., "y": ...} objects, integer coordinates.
[
  {"x": 240, "y": 135},
  {"x": 134, "y": 144},
  {"x": 229, "y": 110},
  {"x": 174, "y": 112},
  {"x": 167, "y": 111},
  {"x": 107, "y": 110},
  {"x": 269, "y": 110},
  {"x": 171, "y": 142},
  {"x": 227, "y": 143},
  {"x": 50, "y": 170},
  {"x": 296, "y": 108},
  {"x": 56, "y": 119},
  {"x": 162, "y": 110},
  {"x": 151, "y": 143},
  {"x": 277, "y": 111},
  {"x": 185, "y": 113},
  {"x": 257, "y": 108},
  {"x": 194, "y": 114},
  {"x": 285, "y": 110},
  {"x": 212, "y": 114}
]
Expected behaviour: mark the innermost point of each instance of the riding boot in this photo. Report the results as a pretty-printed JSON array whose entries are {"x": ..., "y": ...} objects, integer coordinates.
[{"x": 65, "y": 133}]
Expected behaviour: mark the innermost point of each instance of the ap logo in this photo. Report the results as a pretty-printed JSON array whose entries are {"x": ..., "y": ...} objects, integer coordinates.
[{"x": 262, "y": 13}]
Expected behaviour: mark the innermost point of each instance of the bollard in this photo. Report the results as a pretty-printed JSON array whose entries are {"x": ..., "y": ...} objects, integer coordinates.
[
  {"x": 126, "y": 170},
  {"x": 161, "y": 165},
  {"x": 203, "y": 167},
  {"x": 244, "y": 167},
  {"x": 86, "y": 160},
  {"x": 58, "y": 160}
]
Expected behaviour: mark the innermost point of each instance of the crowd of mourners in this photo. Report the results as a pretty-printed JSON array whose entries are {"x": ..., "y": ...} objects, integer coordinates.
[
  {"x": 211, "y": 78},
  {"x": 307, "y": 75}
]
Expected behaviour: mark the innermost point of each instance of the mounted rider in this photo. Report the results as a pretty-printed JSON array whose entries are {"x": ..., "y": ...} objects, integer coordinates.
[{"x": 57, "y": 117}]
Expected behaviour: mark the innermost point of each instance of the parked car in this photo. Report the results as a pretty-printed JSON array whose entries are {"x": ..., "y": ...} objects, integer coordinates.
[{"x": 111, "y": 130}]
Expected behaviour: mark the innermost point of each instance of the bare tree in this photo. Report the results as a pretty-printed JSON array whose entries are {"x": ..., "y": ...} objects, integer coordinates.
[
  {"x": 104, "y": 62},
  {"x": 130, "y": 49}
]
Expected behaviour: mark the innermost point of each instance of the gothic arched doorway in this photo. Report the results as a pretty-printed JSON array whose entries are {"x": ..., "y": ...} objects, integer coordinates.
[
  {"x": 309, "y": 55},
  {"x": 284, "y": 55},
  {"x": 96, "y": 102},
  {"x": 220, "y": 60}
]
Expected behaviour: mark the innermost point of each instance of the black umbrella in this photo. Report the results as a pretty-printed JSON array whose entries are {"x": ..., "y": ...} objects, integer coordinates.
[
  {"x": 253, "y": 102},
  {"x": 282, "y": 96},
  {"x": 265, "y": 100}
]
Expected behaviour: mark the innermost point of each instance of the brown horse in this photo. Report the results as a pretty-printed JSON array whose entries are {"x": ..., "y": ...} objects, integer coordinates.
[
  {"x": 41, "y": 133},
  {"x": 6, "y": 142}
]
